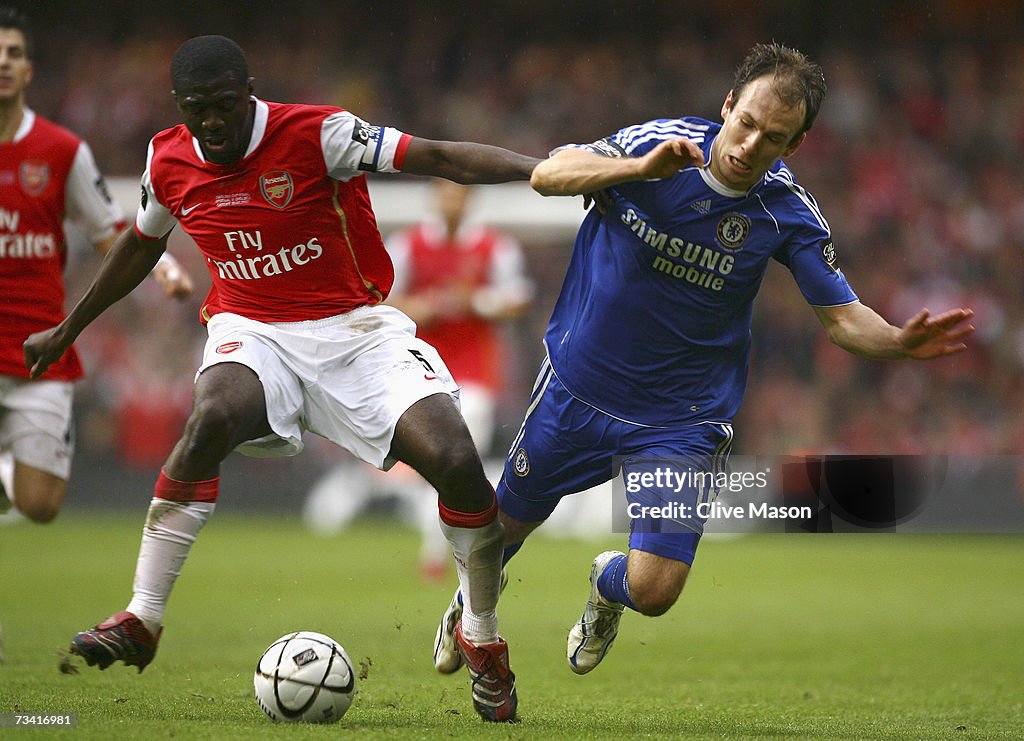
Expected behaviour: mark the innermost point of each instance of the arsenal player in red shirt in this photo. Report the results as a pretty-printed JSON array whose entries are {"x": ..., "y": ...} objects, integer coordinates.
[
  {"x": 275, "y": 198},
  {"x": 47, "y": 174}
]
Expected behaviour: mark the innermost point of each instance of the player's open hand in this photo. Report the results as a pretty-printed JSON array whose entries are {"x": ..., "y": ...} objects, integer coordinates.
[
  {"x": 670, "y": 157},
  {"x": 924, "y": 337},
  {"x": 43, "y": 349}
]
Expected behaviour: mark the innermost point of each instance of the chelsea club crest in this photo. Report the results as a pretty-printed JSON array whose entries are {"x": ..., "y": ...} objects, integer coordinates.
[
  {"x": 521, "y": 463},
  {"x": 733, "y": 231}
]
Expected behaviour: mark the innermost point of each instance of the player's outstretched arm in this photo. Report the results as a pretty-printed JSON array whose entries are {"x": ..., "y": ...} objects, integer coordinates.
[
  {"x": 466, "y": 162},
  {"x": 860, "y": 330},
  {"x": 573, "y": 172},
  {"x": 125, "y": 265}
]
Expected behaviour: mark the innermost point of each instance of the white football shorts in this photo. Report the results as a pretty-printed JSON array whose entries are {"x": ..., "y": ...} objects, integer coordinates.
[
  {"x": 36, "y": 423},
  {"x": 347, "y": 378}
]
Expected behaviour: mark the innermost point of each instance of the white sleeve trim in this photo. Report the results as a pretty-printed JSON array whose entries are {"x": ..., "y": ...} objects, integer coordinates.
[
  {"x": 352, "y": 147},
  {"x": 89, "y": 205},
  {"x": 153, "y": 219},
  {"x": 832, "y": 306}
]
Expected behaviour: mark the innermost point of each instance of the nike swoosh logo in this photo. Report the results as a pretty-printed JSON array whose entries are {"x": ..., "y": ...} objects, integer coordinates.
[{"x": 190, "y": 209}]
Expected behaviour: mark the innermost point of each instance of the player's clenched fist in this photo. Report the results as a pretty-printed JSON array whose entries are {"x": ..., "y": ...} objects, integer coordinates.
[{"x": 43, "y": 349}]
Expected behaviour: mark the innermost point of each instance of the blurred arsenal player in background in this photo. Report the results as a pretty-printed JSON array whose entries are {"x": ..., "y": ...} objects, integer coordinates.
[{"x": 47, "y": 174}]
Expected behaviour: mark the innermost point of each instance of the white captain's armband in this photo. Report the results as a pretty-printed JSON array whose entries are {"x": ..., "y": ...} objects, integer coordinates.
[
  {"x": 372, "y": 138},
  {"x": 351, "y": 146}
]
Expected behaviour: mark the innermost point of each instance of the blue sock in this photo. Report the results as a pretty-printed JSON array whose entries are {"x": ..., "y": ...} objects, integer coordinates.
[
  {"x": 511, "y": 550},
  {"x": 613, "y": 584}
]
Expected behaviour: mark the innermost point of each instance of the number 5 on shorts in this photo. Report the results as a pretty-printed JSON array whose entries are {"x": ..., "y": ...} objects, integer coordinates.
[{"x": 419, "y": 356}]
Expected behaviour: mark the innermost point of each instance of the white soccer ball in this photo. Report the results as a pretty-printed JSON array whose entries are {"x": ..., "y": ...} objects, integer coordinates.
[{"x": 305, "y": 677}]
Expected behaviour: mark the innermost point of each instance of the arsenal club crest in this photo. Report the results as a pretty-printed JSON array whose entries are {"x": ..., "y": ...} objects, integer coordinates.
[
  {"x": 277, "y": 187},
  {"x": 34, "y": 176}
]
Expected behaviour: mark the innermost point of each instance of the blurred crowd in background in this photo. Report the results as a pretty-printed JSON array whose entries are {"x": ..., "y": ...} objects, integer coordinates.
[{"x": 916, "y": 160}]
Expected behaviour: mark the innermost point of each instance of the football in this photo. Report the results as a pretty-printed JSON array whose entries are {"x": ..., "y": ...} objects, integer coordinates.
[{"x": 305, "y": 677}]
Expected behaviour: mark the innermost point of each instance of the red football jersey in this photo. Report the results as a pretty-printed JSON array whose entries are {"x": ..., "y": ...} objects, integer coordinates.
[
  {"x": 476, "y": 257},
  {"x": 47, "y": 174},
  {"x": 288, "y": 231}
]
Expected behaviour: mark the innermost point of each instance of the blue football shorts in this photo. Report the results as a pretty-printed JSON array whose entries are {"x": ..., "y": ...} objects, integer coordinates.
[{"x": 566, "y": 446}]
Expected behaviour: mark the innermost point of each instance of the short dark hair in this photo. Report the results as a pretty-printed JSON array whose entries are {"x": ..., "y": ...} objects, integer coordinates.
[
  {"x": 14, "y": 18},
  {"x": 796, "y": 78},
  {"x": 204, "y": 58}
]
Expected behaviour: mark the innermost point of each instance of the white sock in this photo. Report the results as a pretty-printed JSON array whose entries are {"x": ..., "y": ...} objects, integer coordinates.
[
  {"x": 478, "y": 562},
  {"x": 171, "y": 529}
]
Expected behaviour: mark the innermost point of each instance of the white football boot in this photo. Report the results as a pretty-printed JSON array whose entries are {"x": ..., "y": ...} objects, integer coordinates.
[
  {"x": 595, "y": 631},
  {"x": 447, "y": 658}
]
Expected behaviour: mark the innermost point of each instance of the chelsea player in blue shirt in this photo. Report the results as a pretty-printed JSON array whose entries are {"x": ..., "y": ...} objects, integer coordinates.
[{"x": 648, "y": 343}]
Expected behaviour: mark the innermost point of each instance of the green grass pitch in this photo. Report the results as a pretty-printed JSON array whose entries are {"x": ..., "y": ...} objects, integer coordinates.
[{"x": 785, "y": 636}]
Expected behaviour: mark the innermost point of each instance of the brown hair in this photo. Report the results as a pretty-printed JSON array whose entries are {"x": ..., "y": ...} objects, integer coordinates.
[{"x": 796, "y": 78}]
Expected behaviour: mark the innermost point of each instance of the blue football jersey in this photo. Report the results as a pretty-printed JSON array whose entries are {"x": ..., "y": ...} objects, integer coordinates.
[{"x": 652, "y": 324}]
